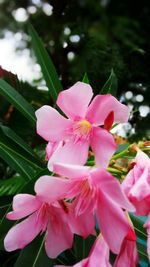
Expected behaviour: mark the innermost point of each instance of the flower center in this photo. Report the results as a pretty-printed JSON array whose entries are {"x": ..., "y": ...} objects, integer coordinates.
[{"x": 82, "y": 128}]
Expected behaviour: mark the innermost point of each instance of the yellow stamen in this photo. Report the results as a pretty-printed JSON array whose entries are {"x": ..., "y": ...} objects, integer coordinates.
[{"x": 84, "y": 127}]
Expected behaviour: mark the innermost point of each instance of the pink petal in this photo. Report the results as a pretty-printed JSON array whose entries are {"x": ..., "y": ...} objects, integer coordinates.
[
  {"x": 59, "y": 236},
  {"x": 50, "y": 124},
  {"x": 83, "y": 263},
  {"x": 139, "y": 194},
  {"x": 128, "y": 256},
  {"x": 111, "y": 187},
  {"x": 128, "y": 182},
  {"x": 23, "y": 205},
  {"x": 103, "y": 146},
  {"x": 142, "y": 160},
  {"x": 82, "y": 225},
  {"x": 99, "y": 254},
  {"x": 51, "y": 147},
  {"x": 71, "y": 171},
  {"x": 141, "y": 189},
  {"x": 22, "y": 234},
  {"x": 101, "y": 107},
  {"x": 74, "y": 101},
  {"x": 50, "y": 188},
  {"x": 112, "y": 221},
  {"x": 70, "y": 153}
]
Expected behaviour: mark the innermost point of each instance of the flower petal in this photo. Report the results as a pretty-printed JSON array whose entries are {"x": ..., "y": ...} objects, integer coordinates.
[
  {"x": 23, "y": 205},
  {"x": 50, "y": 124},
  {"x": 71, "y": 171},
  {"x": 70, "y": 153},
  {"x": 51, "y": 147},
  {"x": 50, "y": 188},
  {"x": 99, "y": 254},
  {"x": 112, "y": 222},
  {"x": 83, "y": 224},
  {"x": 111, "y": 187},
  {"x": 59, "y": 236},
  {"x": 74, "y": 101},
  {"x": 142, "y": 160},
  {"x": 128, "y": 256},
  {"x": 101, "y": 107},
  {"x": 22, "y": 234},
  {"x": 103, "y": 146}
]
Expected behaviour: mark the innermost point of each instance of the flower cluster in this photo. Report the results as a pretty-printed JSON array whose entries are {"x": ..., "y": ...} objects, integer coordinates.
[{"x": 71, "y": 201}]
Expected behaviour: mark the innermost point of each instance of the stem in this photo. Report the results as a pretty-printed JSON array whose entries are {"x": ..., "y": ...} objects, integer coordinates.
[
  {"x": 121, "y": 154},
  {"x": 114, "y": 170}
]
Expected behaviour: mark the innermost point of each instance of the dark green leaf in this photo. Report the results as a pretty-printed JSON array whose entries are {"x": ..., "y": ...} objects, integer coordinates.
[
  {"x": 82, "y": 246},
  {"x": 85, "y": 79},
  {"x": 47, "y": 66},
  {"x": 17, "y": 100},
  {"x": 111, "y": 85},
  {"x": 138, "y": 226},
  {"x": 20, "y": 142},
  {"x": 11, "y": 186},
  {"x": 34, "y": 255},
  {"x": 18, "y": 158}
]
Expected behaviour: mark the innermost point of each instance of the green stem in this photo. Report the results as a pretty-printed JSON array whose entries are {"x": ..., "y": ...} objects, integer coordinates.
[
  {"x": 121, "y": 154},
  {"x": 113, "y": 170}
]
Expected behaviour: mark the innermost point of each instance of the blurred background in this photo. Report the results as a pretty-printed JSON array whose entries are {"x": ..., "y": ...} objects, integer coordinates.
[{"x": 81, "y": 36}]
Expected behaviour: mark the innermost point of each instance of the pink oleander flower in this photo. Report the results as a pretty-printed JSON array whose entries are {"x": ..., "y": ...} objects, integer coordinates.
[
  {"x": 147, "y": 226},
  {"x": 81, "y": 129},
  {"x": 43, "y": 216},
  {"x": 128, "y": 256},
  {"x": 98, "y": 257},
  {"x": 137, "y": 184},
  {"x": 91, "y": 191}
]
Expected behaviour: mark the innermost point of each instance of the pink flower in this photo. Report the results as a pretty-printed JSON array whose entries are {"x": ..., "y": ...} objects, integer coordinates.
[
  {"x": 82, "y": 129},
  {"x": 147, "y": 226},
  {"x": 91, "y": 191},
  {"x": 43, "y": 216},
  {"x": 128, "y": 256},
  {"x": 98, "y": 257},
  {"x": 137, "y": 184}
]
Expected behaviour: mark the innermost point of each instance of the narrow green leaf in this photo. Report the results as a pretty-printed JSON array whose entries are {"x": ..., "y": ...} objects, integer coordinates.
[
  {"x": 17, "y": 161},
  {"x": 111, "y": 85},
  {"x": 34, "y": 255},
  {"x": 17, "y": 100},
  {"x": 11, "y": 186},
  {"x": 138, "y": 226},
  {"x": 47, "y": 66},
  {"x": 85, "y": 79},
  {"x": 20, "y": 142},
  {"x": 18, "y": 157}
]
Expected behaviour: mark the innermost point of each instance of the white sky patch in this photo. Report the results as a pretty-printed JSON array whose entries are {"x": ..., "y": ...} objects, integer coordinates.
[{"x": 18, "y": 62}]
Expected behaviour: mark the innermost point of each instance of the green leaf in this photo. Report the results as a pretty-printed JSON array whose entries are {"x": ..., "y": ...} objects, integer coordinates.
[
  {"x": 17, "y": 100},
  {"x": 34, "y": 255},
  {"x": 47, "y": 66},
  {"x": 82, "y": 246},
  {"x": 11, "y": 186},
  {"x": 138, "y": 226},
  {"x": 18, "y": 157},
  {"x": 85, "y": 79},
  {"x": 111, "y": 85},
  {"x": 20, "y": 142}
]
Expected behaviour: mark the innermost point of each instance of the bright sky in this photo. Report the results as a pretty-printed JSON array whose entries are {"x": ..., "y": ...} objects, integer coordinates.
[{"x": 18, "y": 62}]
